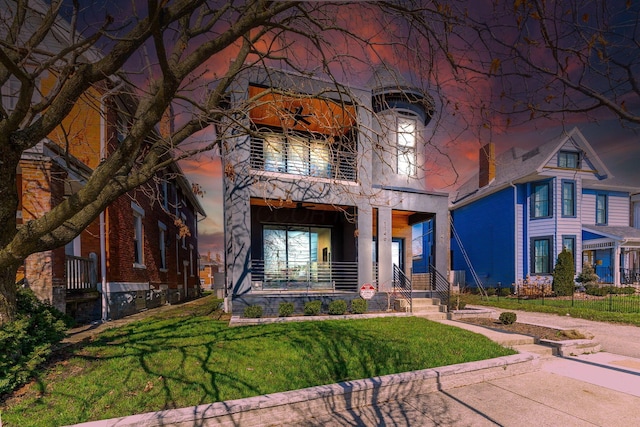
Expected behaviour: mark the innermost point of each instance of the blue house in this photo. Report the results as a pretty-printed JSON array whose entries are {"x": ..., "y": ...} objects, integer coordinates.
[{"x": 513, "y": 218}]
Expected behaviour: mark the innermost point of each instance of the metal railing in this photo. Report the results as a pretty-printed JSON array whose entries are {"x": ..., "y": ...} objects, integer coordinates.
[
  {"x": 304, "y": 276},
  {"x": 80, "y": 274},
  {"x": 629, "y": 276},
  {"x": 402, "y": 287},
  {"x": 306, "y": 160},
  {"x": 440, "y": 286}
]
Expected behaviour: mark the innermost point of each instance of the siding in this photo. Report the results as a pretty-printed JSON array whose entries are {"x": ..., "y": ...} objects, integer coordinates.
[
  {"x": 617, "y": 209},
  {"x": 486, "y": 229}
]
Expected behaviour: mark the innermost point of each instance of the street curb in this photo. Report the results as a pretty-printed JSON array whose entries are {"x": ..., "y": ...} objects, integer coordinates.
[{"x": 296, "y": 405}]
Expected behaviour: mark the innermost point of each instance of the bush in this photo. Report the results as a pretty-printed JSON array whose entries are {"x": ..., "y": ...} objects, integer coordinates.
[
  {"x": 507, "y": 318},
  {"x": 338, "y": 306},
  {"x": 596, "y": 290},
  {"x": 491, "y": 292},
  {"x": 505, "y": 292},
  {"x": 359, "y": 306},
  {"x": 588, "y": 276},
  {"x": 457, "y": 301},
  {"x": 563, "y": 273},
  {"x": 286, "y": 309},
  {"x": 627, "y": 290},
  {"x": 28, "y": 341},
  {"x": 312, "y": 308},
  {"x": 253, "y": 311}
]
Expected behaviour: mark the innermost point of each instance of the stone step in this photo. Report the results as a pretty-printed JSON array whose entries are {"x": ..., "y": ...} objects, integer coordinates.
[
  {"x": 432, "y": 316},
  {"x": 542, "y": 350}
]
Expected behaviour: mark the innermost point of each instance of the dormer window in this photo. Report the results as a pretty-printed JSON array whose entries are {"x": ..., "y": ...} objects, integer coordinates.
[
  {"x": 406, "y": 133},
  {"x": 569, "y": 159}
]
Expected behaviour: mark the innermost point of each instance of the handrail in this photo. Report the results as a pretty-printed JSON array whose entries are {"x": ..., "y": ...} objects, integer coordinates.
[
  {"x": 440, "y": 285},
  {"x": 304, "y": 276},
  {"x": 402, "y": 286}
]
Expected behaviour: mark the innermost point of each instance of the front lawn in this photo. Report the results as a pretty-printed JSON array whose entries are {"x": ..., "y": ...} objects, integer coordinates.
[{"x": 192, "y": 357}]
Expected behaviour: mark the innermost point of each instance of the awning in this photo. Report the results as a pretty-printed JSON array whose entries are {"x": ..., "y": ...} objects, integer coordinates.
[{"x": 301, "y": 113}]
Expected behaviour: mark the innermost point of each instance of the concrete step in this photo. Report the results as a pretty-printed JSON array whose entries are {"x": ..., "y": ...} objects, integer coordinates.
[
  {"x": 432, "y": 316},
  {"x": 542, "y": 350}
]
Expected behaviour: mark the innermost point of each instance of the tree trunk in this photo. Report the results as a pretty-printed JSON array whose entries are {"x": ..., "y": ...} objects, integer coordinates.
[{"x": 8, "y": 294}]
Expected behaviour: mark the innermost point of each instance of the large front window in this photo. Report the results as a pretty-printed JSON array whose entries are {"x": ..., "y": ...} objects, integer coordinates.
[
  {"x": 296, "y": 254},
  {"x": 406, "y": 133},
  {"x": 541, "y": 200},
  {"x": 541, "y": 255}
]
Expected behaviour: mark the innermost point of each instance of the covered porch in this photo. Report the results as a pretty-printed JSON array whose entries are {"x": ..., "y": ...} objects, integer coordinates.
[{"x": 614, "y": 253}]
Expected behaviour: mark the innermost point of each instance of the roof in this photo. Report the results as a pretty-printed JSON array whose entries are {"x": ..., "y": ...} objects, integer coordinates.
[
  {"x": 616, "y": 233},
  {"x": 517, "y": 165}
]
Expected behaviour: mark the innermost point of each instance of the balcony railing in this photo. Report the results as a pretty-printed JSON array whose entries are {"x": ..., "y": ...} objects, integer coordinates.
[
  {"x": 304, "y": 276},
  {"x": 305, "y": 157},
  {"x": 80, "y": 274}
]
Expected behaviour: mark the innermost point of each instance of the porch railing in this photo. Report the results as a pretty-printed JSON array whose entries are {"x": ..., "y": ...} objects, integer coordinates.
[
  {"x": 402, "y": 286},
  {"x": 80, "y": 274},
  {"x": 440, "y": 285},
  {"x": 629, "y": 276},
  {"x": 304, "y": 276}
]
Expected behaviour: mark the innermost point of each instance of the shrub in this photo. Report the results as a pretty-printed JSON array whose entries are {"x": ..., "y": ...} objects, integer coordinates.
[
  {"x": 563, "y": 283},
  {"x": 457, "y": 301},
  {"x": 491, "y": 292},
  {"x": 312, "y": 308},
  {"x": 588, "y": 276},
  {"x": 596, "y": 290},
  {"x": 627, "y": 290},
  {"x": 359, "y": 306},
  {"x": 28, "y": 341},
  {"x": 505, "y": 292},
  {"x": 507, "y": 318},
  {"x": 338, "y": 306},
  {"x": 253, "y": 311},
  {"x": 286, "y": 309}
]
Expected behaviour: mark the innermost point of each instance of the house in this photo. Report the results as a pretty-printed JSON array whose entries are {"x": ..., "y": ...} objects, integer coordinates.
[
  {"x": 142, "y": 251},
  {"x": 210, "y": 270},
  {"x": 326, "y": 191},
  {"x": 513, "y": 218}
]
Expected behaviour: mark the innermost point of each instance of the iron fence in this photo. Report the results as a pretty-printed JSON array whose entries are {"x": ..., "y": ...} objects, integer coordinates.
[{"x": 402, "y": 286}]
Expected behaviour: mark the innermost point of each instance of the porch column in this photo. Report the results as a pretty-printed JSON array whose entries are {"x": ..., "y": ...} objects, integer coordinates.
[
  {"x": 385, "y": 263},
  {"x": 616, "y": 264},
  {"x": 365, "y": 243}
]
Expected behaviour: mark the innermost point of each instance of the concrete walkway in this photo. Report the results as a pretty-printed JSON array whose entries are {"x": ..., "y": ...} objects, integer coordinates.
[{"x": 600, "y": 389}]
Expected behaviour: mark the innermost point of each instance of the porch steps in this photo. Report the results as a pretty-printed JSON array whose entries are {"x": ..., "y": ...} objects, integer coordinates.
[{"x": 429, "y": 308}]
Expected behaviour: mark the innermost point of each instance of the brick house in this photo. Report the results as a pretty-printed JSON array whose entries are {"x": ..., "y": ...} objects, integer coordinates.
[{"x": 142, "y": 251}]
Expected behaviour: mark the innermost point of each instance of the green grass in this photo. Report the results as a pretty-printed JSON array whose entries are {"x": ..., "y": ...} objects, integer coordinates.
[
  {"x": 189, "y": 358},
  {"x": 592, "y": 310}
]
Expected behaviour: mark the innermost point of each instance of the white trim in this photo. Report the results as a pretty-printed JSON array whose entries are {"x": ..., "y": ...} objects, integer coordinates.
[{"x": 137, "y": 209}]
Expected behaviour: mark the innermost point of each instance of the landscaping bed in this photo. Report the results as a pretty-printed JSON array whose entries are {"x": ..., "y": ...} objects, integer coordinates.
[{"x": 539, "y": 332}]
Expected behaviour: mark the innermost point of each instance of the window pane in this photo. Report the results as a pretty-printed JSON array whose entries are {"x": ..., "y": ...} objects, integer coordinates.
[
  {"x": 297, "y": 156},
  {"x": 568, "y": 160},
  {"x": 541, "y": 256},
  {"x": 319, "y": 160},
  {"x": 406, "y": 133},
  {"x": 568, "y": 199},
  {"x": 406, "y": 146},
  {"x": 541, "y": 200},
  {"x": 601, "y": 209},
  {"x": 274, "y": 155}
]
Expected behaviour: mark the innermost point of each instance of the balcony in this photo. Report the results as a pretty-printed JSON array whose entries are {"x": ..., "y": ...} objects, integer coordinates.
[
  {"x": 80, "y": 274},
  {"x": 303, "y": 156}
]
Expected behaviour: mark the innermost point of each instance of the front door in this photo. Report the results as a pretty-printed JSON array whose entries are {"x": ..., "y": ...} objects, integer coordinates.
[{"x": 397, "y": 253}]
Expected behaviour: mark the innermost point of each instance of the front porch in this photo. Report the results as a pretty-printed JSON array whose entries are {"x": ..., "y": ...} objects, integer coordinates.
[{"x": 614, "y": 253}]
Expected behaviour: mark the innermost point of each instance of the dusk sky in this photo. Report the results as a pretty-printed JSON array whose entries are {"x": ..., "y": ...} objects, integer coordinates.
[{"x": 459, "y": 133}]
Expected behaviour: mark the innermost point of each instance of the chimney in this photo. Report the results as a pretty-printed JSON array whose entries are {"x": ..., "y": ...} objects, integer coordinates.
[{"x": 487, "y": 160}]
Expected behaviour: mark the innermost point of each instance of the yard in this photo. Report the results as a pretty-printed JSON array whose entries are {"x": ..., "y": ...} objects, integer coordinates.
[{"x": 189, "y": 356}]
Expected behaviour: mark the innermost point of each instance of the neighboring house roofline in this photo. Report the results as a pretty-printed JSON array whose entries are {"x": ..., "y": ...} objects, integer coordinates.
[{"x": 620, "y": 233}]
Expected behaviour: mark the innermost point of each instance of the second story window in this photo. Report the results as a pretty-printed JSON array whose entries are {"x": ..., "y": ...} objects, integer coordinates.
[
  {"x": 601, "y": 209},
  {"x": 568, "y": 198},
  {"x": 541, "y": 200},
  {"x": 406, "y": 134},
  {"x": 569, "y": 159},
  {"x": 297, "y": 155},
  {"x": 162, "y": 244}
]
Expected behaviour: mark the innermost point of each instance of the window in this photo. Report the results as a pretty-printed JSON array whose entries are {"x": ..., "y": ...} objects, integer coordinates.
[
  {"x": 165, "y": 194},
  {"x": 541, "y": 200},
  {"x": 162, "y": 244},
  {"x": 183, "y": 232},
  {"x": 416, "y": 241},
  {"x": 122, "y": 126},
  {"x": 297, "y": 155},
  {"x": 406, "y": 133},
  {"x": 569, "y": 243},
  {"x": 601, "y": 209},
  {"x": 569, "y": 159},
  {"x": 138, "y": 235},
  {"x": 295, "y": 254},
  {"x": 541, "y": 255},
  {"x": 568, "y": 198},
  {"x": 191, "y": 260}
]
